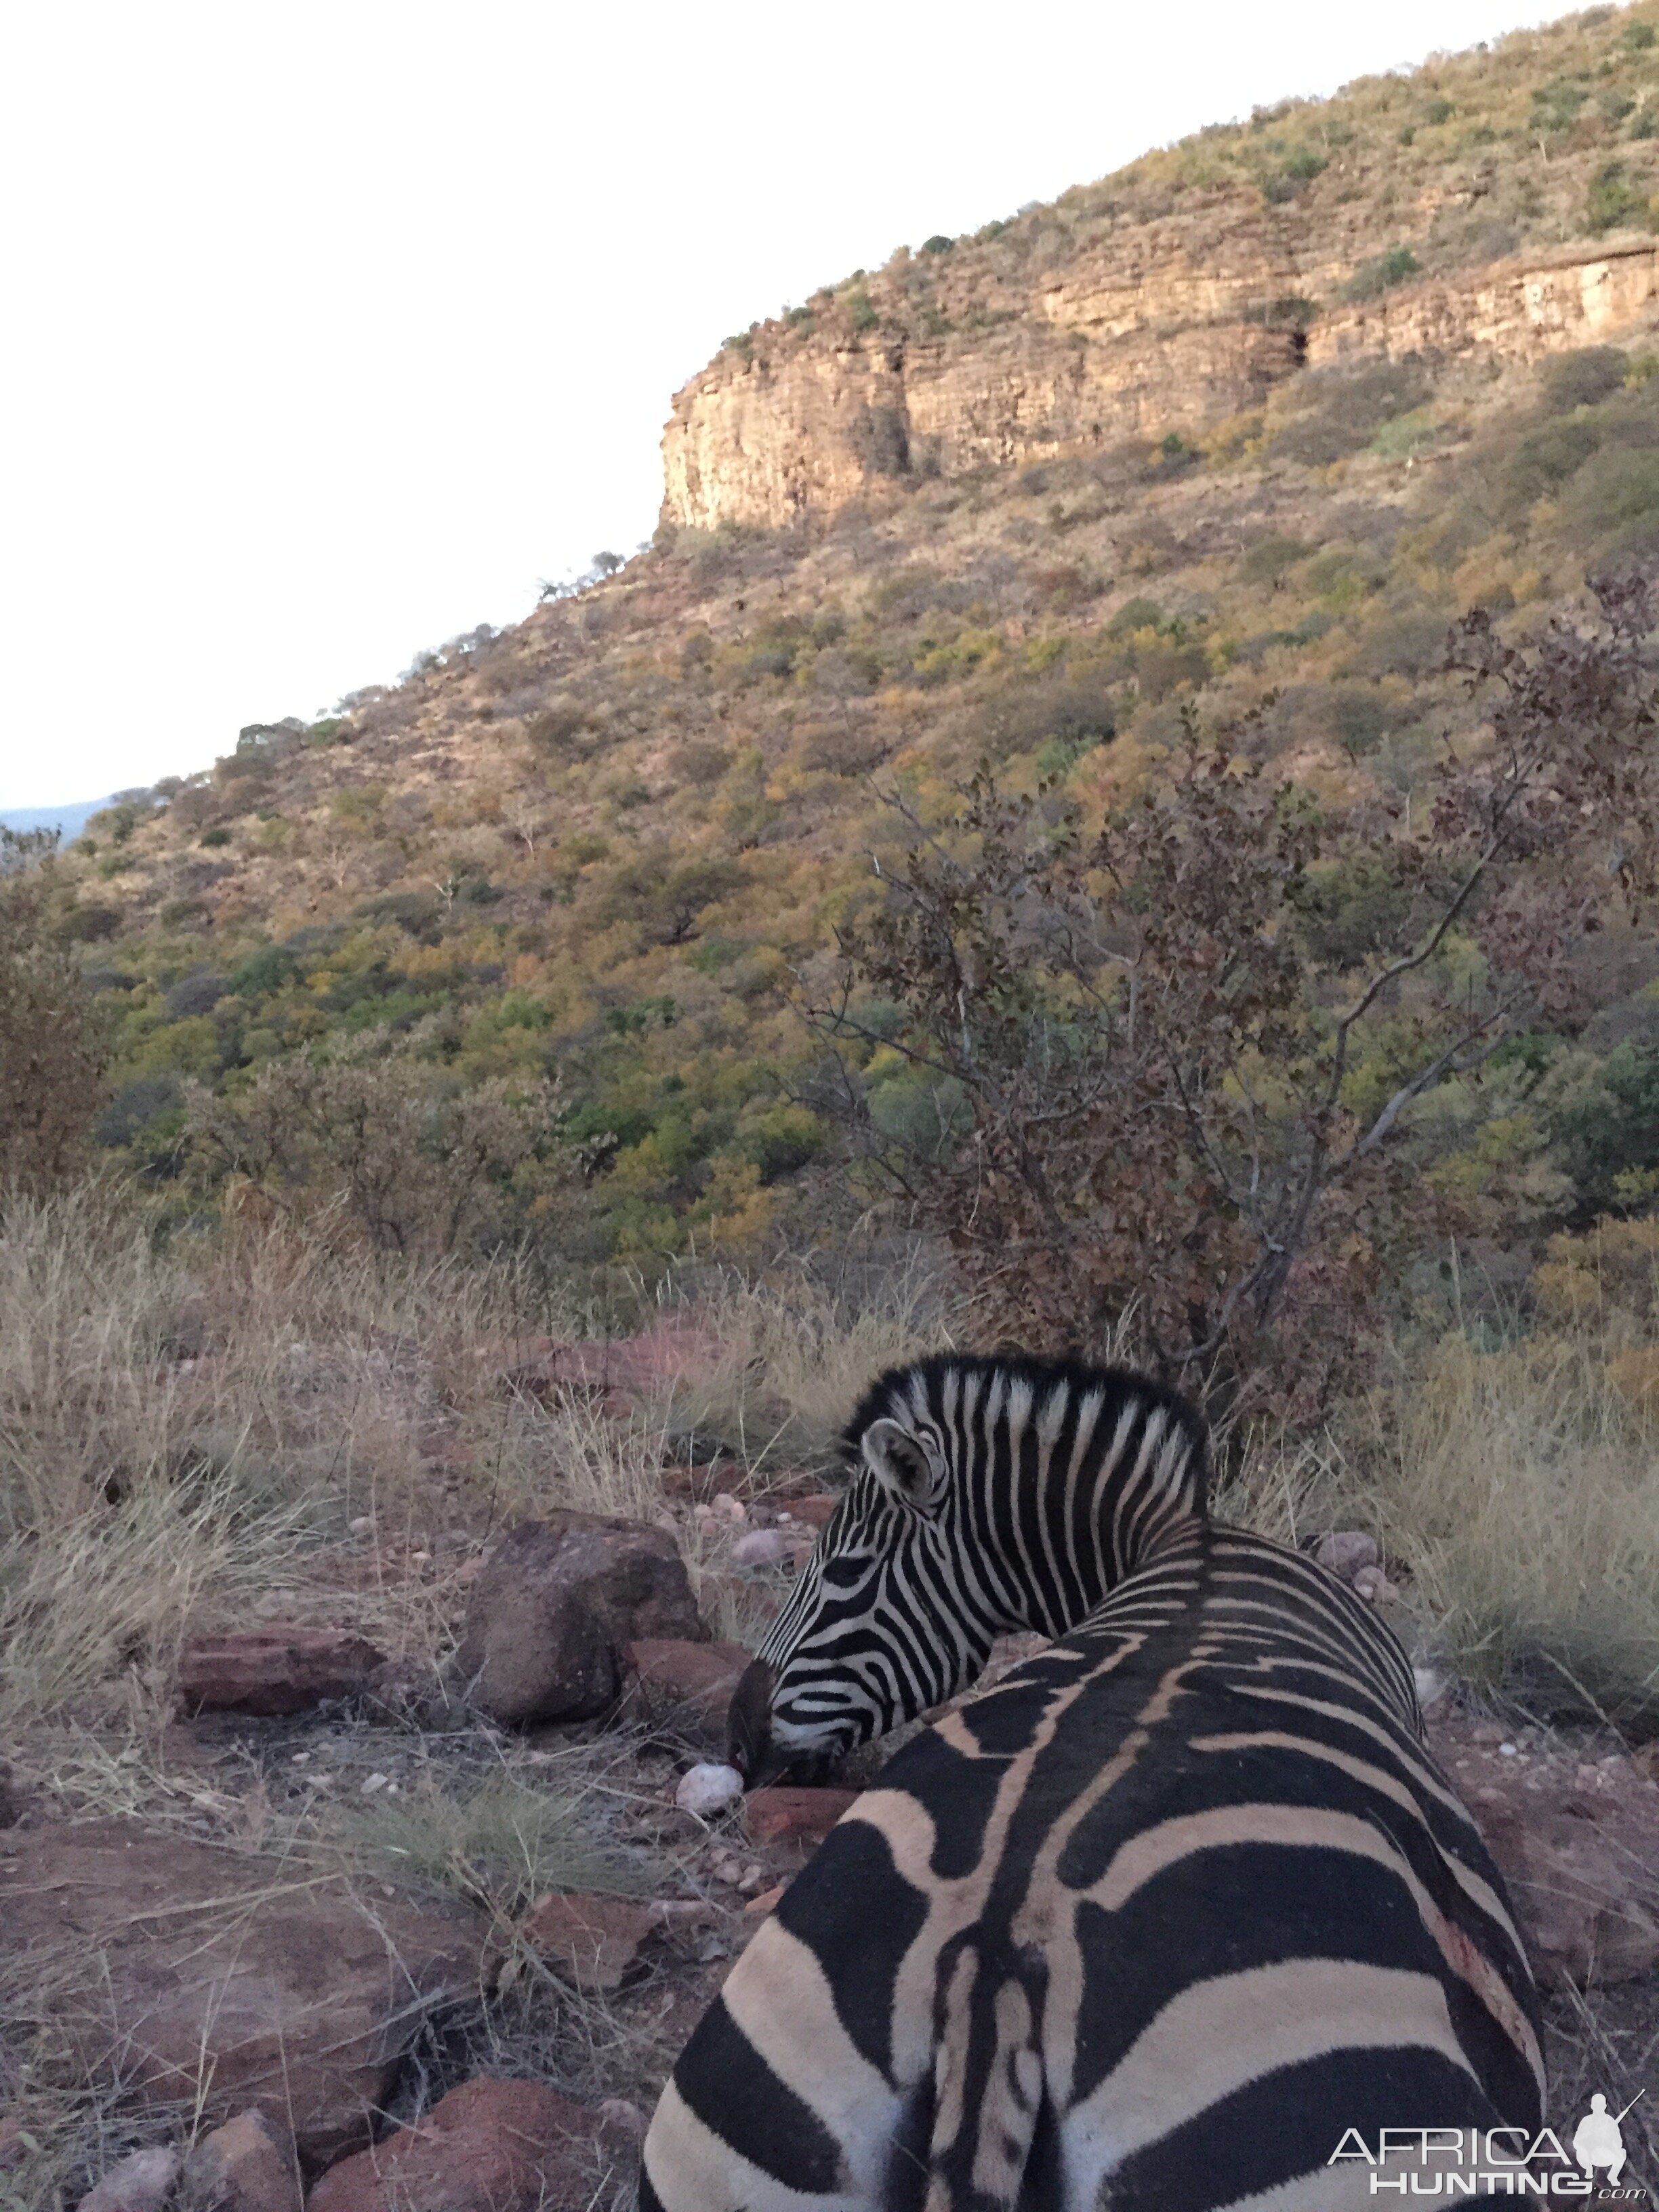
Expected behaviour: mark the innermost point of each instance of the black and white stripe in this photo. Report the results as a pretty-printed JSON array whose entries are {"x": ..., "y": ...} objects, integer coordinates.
[
  {"x": 1147, "y": 1926},
  {"x": 987, "y": 1496}
]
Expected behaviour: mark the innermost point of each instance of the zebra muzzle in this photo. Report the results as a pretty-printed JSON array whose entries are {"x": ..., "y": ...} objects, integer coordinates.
[{"x": 748, "y": 1720}]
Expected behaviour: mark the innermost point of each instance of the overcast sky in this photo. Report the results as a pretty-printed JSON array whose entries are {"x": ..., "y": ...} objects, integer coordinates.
[{"x": 336, "y": 327}]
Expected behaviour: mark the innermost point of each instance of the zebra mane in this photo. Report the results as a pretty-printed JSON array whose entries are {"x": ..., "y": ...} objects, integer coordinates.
[{"x": 922, "y": 1389}]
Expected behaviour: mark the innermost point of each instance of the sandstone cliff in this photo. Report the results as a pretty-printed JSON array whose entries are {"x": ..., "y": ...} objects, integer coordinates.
[{"x": 1176, "y": 295}]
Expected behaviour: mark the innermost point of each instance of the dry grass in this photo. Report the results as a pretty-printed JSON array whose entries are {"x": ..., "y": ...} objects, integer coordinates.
[{"x": 1518, "y": 1485}]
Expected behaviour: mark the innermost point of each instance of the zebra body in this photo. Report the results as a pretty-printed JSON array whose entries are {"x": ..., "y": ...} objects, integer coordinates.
[{"x": 1147, "y": 1926}]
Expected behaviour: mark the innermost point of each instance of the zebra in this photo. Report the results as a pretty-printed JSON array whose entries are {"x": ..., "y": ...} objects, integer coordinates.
[{"x": 1160, "y": 1923}]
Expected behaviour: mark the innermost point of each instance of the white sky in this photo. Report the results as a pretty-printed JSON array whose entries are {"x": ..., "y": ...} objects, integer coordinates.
[{"x": 335, "y": 327}]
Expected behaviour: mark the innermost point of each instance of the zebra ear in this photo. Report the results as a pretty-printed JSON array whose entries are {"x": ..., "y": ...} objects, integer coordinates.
[{"x": 903, "y": 1466}]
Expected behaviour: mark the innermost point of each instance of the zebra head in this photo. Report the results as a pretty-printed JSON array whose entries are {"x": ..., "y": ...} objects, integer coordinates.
[{"x": 984, "y": 1495}]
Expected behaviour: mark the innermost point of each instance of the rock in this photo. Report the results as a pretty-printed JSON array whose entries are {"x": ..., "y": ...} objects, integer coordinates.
[
  {"x": 1345, "y": 1551},
  {"x": 487, "y": 2146},
  {"x": 141, "y": 2182},
  {"x": 709, "y": 1790},
  {"x": 281, "y": 1670},
  {"x": 246, "y": 2166},
  {"x": 684, "y": 1687},
  {"x": 1578, "y": 1846},
  {"x": 593, "y": 1941},
  {"x": 408, "y": 1693},
  {"x": 201, "y": 1972},
  {"x": 761, "y": 1547},
  {"x": 1374, "y": 1586},
  {"x": 620, "y": 2117},
  {"x": 781, "y": 1815},
  {"x": 816, "y": 1511},
  {"x": 724, "y": 1507},
  {"x": 547, "y": 1618}
]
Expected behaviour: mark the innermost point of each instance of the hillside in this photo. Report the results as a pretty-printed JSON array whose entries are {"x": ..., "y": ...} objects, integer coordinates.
[{"x": 1243, "y": 426}]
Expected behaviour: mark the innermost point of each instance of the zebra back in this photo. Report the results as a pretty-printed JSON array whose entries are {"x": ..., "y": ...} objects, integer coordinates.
[{"x": 1162, "y": 1921}]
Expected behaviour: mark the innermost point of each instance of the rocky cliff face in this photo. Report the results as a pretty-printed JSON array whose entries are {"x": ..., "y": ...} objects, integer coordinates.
[
  {"x": 1164, "y": 333},
  {"x": 1497, "y": 203}
]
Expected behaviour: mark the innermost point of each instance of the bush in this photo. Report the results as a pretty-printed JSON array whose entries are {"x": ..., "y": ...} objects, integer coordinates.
[
  {"x": 1346, "y": 407},
  {"x": 1608, "y": 1139},
  {"x": 1373, "y": 278},
  {"x": 1613, "y": 199},
  {"x": 1545, "y": 459},
  {"x": 53, "y": 1044},
  {"x": 1187, "y": 1051},
  {"x": 1583, "y": 378},
  {"x": 380, "y": 1143}
]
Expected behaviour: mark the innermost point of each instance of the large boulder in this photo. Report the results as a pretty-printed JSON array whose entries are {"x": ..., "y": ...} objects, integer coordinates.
[
  {"x": 556, "y": 1603},
  {"x": 194, "y": 1973},
  {"x": 487, "y": 2146}
]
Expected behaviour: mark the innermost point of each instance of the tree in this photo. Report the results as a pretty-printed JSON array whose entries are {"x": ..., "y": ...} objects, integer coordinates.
[
  {"x": 53, "y": 1051},
  {"x": 380, "y": 1139},
  {"x": 1173, "y": 1084}
]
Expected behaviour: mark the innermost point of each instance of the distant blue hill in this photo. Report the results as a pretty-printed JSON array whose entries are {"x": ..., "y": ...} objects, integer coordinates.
[{"x": 71, "y": 820}]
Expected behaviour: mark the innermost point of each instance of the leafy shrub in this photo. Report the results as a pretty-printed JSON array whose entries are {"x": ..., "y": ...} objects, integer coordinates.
[
  {"x": 53, "y": 1043},
  {"x": 565, "y": 729},
  {"x": 1181, "y": 1041},
  {"x": 377, "y": 1141},
  {"x": 1346, "y": 409},
  {"x": 1609, "y": 1137},
  {"x": 1583, "y": 378},
  {"x": 198, "y": 993},
  {"x": 1613, "y": 199},
  {"x": 1375, "y": 277},
  {"x": 1545, "y": 458},
  {"x": 1267, "y": 561}
]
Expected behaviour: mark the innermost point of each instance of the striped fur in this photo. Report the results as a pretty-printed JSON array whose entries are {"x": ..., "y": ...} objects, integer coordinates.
[
  {"x": 1147, "y": 1926},
  {"x": 1073, "y": 1473}
]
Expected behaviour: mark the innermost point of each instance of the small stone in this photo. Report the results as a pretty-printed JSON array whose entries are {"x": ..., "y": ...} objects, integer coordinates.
[
  {"x": 1431, "y": 1687},
  {"x": 1374, "y": 1586},
  {"x": 246, "y": 2166},
  {"x": 141, "y": 2182},
  {"x": 761, "y": 1548},
  {"x": 1507, "y": 1751},
  {"x": 781, "y": 1815},
  {"x": 768, "y": 1899},
  {"x": 374, "y": 1781},
  {"x": 1346, "y": 1551},
  {"x": 727, "y": 1508},
  {"x": 622, "y": 2117},
  {"x": 728, "y": 1871},
  {"x": 362, "y": 1526},
  {"x": 709, "y": 1789}
]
